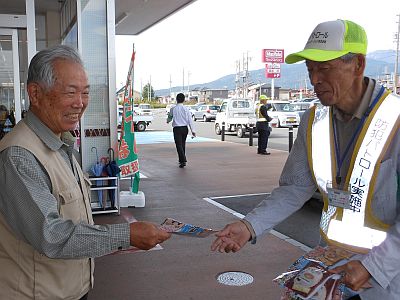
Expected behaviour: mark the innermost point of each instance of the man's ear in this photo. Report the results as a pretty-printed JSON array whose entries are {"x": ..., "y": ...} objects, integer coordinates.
[
  {"x": 35, "y": 92},
  {"x": 360, "y": 64}
]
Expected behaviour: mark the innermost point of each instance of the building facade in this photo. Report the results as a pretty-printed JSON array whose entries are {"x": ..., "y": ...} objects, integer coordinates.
[{"x": 90, "y": 26}]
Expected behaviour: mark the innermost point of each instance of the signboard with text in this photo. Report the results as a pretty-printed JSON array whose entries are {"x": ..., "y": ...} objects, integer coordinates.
[
  {"x": 272, "y": 70},
  {"x": 273, "y": 56}
]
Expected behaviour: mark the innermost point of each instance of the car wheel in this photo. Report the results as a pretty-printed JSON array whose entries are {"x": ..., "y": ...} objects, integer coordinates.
[
  {"x": 205, "y": 119},
  {"x": 217, "y": 129},
  {"x": 194, "y": 118},
  {"x": 240, "y": 132},
  {"x": 141, "y": 126}
]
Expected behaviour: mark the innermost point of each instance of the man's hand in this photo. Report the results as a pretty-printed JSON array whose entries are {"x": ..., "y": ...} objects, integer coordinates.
[
  {"x": 355, "y": 274},
  {"x": 232, "y": 238},
  {"x": 146, "y": 235}
]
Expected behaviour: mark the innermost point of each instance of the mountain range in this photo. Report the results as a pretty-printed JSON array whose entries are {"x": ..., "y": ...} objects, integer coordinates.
[{"x": 294, "y": 76}]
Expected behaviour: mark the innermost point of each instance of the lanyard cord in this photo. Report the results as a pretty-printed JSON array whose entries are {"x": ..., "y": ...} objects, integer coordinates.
[{"x": 339, "y": 159}]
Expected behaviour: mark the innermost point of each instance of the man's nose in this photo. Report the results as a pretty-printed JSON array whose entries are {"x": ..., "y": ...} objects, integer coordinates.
[
  {"x": 79, "y": 100},
  {"x": 314, "y": 78}
]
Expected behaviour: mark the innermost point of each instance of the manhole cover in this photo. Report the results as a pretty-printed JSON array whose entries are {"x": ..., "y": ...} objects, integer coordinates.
[{"x": 235, "y": 278}]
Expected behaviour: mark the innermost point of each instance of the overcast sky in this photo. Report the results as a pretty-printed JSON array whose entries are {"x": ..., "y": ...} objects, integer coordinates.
[{"x": 204, "y": 40}]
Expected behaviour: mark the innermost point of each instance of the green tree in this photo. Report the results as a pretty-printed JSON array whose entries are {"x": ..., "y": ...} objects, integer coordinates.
[{"x": 148, "y": 90}]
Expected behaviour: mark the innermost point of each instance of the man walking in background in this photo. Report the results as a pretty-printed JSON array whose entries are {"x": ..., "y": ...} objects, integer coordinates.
[{"x": 181, "y": 118}]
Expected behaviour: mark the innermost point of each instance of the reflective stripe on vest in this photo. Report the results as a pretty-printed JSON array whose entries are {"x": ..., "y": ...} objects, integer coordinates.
[
  {"x": 260, "y": 117},
  {"x": 347, "y": 227}
]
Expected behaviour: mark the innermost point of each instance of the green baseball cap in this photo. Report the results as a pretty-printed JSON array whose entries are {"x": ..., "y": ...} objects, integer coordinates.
[{"x": 330, "y": 40}]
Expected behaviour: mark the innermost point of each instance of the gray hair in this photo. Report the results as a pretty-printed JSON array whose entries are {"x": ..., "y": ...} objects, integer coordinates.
[
  {"x": 348, "y": 57},
  {"x": 41, "y": 68}
]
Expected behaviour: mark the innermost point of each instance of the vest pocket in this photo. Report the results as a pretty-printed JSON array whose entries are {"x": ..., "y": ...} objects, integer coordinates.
[
  {"x": 69, "y": 205},
  {"x": 60, "y": 278}
]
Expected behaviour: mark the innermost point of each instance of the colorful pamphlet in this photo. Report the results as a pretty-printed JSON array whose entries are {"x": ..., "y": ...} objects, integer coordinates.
[
  {"x": 309, "y": 276},
  {"x": 177, "y": 227}
]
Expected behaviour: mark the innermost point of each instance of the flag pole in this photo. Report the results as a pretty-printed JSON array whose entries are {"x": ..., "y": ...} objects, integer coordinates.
[{"x": 127, "y": 150}]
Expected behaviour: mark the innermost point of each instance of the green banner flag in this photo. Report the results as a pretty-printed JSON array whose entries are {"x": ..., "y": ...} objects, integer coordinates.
[{"x": 127, "y": 152}]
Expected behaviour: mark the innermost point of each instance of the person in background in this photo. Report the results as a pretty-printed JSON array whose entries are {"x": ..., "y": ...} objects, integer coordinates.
[
  {"x": 262, "y": 126},
  {"x": 181, "y": 119},
  {"x": 349, "y": 149},
  {"x": 47, "y": 236}
]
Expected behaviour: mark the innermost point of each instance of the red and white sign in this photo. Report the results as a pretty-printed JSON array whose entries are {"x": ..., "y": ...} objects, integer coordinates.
[
  {"x": 273, "y": 55},
  {"x": 272, "y": 70}
]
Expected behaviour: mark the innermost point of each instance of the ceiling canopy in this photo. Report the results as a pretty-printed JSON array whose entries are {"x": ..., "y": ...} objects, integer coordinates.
[{"x": 132, "y": 17}]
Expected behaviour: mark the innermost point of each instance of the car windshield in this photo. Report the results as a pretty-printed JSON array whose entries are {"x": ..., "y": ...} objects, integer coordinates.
[
  {"x": 284, "y": 107},
  {"x": 214, "y": 107}
]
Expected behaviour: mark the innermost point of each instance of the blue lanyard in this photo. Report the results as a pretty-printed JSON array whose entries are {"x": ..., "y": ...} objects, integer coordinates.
[{"x": 340, "y": 159}]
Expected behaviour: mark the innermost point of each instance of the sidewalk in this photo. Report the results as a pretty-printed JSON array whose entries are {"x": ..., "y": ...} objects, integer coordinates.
[{"x": 183, "y": 267}]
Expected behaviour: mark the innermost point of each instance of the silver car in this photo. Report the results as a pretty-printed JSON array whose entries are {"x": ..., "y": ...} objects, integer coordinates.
[
  {"x": 283, "y": 114},
  {"x": 206, "y": 112}
]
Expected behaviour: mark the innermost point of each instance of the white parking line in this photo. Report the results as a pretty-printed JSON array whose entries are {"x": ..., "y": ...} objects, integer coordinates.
[{"x": 240, "y": 216}]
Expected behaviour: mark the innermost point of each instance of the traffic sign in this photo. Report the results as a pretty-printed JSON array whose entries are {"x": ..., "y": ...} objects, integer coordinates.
[{"x": 273, "y": 55}]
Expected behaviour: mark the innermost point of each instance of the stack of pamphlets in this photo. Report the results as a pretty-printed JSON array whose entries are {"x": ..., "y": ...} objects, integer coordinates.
[
  {"x": 177, "y": 227},
  {"x": 309, "y": 276}
]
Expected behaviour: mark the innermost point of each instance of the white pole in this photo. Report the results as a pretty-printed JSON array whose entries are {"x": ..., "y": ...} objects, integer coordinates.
[{"x": 272, "y": 89}]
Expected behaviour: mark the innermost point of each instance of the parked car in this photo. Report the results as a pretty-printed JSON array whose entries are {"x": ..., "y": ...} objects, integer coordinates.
[
  {"x": 283, "y": 114},
  {"x": 206, "y": 112},
  {"x": 301, "y": 107},
  {"x": 192, "y": 109},
  {"x": 141, "y": 122}
]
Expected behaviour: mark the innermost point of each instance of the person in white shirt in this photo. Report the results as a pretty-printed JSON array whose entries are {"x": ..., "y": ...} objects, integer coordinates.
[{"x": 181, "y": 119}]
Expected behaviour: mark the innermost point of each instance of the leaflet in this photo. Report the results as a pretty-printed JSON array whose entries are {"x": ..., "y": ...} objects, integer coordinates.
[
  {"x": 309, "y": 276},
  {"x": 177, "y": 227}
]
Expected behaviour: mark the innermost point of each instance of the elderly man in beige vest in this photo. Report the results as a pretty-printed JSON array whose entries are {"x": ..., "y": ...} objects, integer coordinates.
[{"x": 47, "y": 236}]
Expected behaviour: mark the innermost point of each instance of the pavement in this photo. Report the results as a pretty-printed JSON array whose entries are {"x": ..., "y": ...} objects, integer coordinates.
[{"x": 184, "y": 267}]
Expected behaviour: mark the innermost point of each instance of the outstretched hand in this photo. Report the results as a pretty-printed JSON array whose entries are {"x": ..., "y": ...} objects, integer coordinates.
[
  {"x": 146, "y": 235},
  {"x": 232, "y": 238},
  {"x": 355, "y": 275}
]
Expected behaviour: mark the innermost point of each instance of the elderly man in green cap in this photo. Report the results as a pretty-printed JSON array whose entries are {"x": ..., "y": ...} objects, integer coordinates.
[{"x": 349, "y": 149}]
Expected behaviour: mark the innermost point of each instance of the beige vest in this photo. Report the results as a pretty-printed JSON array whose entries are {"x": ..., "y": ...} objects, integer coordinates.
[{"x": 26, "y": 273}]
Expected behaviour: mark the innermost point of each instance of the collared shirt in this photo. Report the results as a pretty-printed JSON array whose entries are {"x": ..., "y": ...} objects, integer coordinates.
[
  {"x": 296, "y": 186},
  {"x": 181, "y": 117},
  {"x": 25, "y": 194}
]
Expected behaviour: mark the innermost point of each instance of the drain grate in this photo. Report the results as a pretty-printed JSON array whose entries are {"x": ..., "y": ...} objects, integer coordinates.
[{"x": 235, "y": 278}]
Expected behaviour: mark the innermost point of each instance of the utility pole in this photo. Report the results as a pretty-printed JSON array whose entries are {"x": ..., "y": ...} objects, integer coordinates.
[
  {"x": 396, "y": 64},
  {"x": 183, "y": 80},
  {"x": 237, "y": 78},
  {"x": 188, "y": 84},
  {"x": 149, "y": 91},
  {"x": 170, "y": 87},
  {"x": 141, "y": 89},
  {"x": 245, "y": 74}
]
